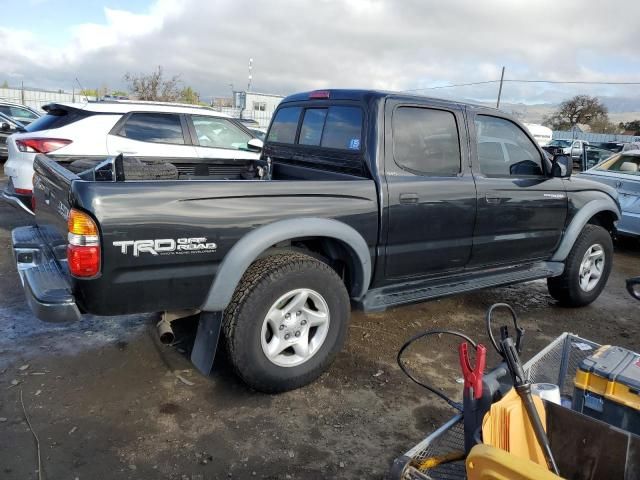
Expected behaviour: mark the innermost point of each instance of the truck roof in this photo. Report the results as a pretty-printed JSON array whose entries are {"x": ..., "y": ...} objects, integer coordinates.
[{"x": 367, "y": 95}]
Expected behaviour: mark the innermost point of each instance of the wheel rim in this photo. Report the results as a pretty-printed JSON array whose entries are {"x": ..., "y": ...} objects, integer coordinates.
[
  {"x": 295, "y": 327},
  {"x": 592, "y": 267}
]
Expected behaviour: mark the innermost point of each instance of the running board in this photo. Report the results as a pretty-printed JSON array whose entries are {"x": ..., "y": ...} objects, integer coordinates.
[{"x": 393, "y": 295}]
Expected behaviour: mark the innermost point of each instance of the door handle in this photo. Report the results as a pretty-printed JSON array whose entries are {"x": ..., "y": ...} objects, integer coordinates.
[
  {"x": 491, "y": 200},
  {"x": 409, "y": 198}
]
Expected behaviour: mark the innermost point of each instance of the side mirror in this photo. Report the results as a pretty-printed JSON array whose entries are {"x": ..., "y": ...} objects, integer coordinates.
[
  {"x": 633, "y": 286},
  {"x": 255, "y": 145},
  {"x": 5, "y": 127},
  {"x": 561, "y": 166}
]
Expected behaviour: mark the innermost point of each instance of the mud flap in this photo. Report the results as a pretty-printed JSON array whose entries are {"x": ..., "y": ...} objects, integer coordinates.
[{"x": 206, "y": 343}]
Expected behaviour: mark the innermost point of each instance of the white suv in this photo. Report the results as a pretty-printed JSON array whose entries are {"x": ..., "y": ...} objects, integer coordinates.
[{"x": 185, "y": 135}]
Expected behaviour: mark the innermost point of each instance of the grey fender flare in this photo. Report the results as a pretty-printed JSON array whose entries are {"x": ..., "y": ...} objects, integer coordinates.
[
  {"x": 581, "y": 218},
  {"x": 249, "y": 248}
]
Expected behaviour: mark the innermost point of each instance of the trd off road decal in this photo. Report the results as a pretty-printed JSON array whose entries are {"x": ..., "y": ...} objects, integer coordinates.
[{"x": 166, "y": 246}]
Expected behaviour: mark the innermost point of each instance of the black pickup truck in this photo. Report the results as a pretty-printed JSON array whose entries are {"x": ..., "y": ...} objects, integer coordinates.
[{"x": 361, "y": 198}]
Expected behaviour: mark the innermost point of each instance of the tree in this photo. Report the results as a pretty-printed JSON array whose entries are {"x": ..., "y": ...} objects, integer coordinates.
[
  {"x": 581, "y": 109},
  {"x": 88, "y": 92},
  {"x": 154, "y": 86},
  {"x": 189, "y": 95},
  {"x": 633, "y": 126},
  {"x": 5, "y": 84},
  {"x": 119, "y": 93}
]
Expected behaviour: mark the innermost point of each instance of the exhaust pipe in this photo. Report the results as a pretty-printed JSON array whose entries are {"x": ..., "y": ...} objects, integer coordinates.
[{"x": 165, "y": 331}]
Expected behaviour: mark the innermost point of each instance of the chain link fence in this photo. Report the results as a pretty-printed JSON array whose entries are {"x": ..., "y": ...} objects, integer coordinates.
[{"x": 36, "y": 98}]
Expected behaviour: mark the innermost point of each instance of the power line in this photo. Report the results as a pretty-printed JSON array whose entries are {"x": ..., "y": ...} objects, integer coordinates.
[{"x": 562, "y": 82}]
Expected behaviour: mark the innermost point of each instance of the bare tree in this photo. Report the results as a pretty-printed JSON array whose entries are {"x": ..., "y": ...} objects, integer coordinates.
[
  {"x": 154, "y": 86},
  {"x": 581, "y": 109}
]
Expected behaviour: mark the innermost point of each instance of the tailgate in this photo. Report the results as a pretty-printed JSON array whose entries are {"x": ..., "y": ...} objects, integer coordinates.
[{"x": 52, "y": 193}]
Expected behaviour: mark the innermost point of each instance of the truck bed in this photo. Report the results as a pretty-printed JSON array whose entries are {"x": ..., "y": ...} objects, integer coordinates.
[{"x": 220, "y": 211}]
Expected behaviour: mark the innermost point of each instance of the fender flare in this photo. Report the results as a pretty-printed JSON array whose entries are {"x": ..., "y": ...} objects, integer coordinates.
[
  {"x": 581, "y": 218},
  {"x": 249, "y": 248}
]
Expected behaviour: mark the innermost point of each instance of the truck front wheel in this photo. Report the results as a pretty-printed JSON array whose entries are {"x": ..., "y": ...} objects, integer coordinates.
[
  {"x": 586, "y": 270},
  {"x": 286, "y": 322}
]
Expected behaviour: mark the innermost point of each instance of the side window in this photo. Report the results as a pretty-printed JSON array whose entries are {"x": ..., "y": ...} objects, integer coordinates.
[
  {"x": 153, "y": 127},
  {"x": 23, "y": 113},
  {"x": 504, "y": 150},
  {"x": 219, "y": 133},
  {"x": 312, "y": 125},
  {"x": 285, "y": 125},
  {"x": 426, "y": 141},
  {"x": 6, "y": 110},
  {"x": 343, "y": 128}
]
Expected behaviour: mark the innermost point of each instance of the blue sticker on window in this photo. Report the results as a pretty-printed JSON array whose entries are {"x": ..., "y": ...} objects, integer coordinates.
[{"x": 354, "y": 144}]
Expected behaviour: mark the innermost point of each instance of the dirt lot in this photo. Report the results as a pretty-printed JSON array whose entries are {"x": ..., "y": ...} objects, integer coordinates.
[{"x": 106, "y": 400}]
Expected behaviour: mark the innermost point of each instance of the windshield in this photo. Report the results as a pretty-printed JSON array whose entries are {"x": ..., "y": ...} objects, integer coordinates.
[
  {"x": 560, "y": 143},
  {"x": 625, "y": 164}
]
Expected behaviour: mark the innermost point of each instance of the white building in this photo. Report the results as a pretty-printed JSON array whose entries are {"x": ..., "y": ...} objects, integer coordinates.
[{"x": 256, "y": 106}]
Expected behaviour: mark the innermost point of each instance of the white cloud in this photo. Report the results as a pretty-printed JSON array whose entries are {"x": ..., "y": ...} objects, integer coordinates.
[{"x": 299, "y": 45}]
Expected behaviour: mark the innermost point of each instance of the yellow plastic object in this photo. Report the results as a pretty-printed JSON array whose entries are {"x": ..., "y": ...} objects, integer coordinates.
[
  {"x": 507, "y": 426},
  {"x": 490, "y": 463}
]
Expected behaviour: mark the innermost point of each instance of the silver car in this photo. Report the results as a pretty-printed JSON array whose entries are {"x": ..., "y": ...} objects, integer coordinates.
[{"x": 622, "y": 171}]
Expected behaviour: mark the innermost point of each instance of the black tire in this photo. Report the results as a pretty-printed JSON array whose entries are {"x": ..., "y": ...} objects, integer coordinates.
[
  {"x": 266, "y": 280},
  {"x": 566, "y": 288}
]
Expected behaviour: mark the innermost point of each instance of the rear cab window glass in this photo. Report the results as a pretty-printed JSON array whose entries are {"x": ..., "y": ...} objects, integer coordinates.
[
  {"x": 343, "y": 128},
  {"x": 312, "y": 126},
  {"x": 504, "y": 150},
  {"x": 153, "y": 127},
  {"x": 426, "y": 141},
  {"x": 285, "y": 125}
]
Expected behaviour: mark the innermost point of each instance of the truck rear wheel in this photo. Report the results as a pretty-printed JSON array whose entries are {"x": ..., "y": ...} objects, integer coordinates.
[
  {"x": 286, "y": 322},
  {"x": 586, "y": 270}
]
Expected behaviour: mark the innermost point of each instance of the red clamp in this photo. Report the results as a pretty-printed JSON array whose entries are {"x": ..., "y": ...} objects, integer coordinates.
[{"x": 473, "y": 376}]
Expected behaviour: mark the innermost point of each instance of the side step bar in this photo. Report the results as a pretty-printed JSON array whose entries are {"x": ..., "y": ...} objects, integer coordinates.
[{"x": 382, "y": 298}]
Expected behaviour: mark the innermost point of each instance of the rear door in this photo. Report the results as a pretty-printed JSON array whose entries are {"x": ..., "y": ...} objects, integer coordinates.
[
  {"x": 521, "y": 209},
  {"x": 151, "y": 134},
  {"x": 220, "y": 138},
  {"x": 431, "y": 191}
]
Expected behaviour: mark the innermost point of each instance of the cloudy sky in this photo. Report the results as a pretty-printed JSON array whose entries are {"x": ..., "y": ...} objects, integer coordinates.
[{"x": 306, "y": 44}]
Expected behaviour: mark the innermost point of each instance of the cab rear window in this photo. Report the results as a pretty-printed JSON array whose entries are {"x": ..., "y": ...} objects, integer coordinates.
[{"x": 337, "y": 126}]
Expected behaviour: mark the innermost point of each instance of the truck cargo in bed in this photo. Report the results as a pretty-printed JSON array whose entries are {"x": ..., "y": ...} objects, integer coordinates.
[{"x": 366, "y": 198}]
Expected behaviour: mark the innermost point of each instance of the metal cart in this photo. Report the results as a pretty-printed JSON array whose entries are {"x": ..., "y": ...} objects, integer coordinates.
[{"x": 556, "y": 363}]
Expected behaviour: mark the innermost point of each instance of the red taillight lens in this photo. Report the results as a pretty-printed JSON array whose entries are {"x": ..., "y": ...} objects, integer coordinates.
[
  {"x": 33, "y": 203},
  {"x": 23, "y": 191},
  {"x": 83, "y": 251},
  {"x": 319, "y": 94},
  {"x": 83, "y": 261},
  {"x": 41, "y": 145}
]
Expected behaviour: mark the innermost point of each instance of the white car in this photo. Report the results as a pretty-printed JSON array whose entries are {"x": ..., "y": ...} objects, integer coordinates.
[{"x": 186, "y": 135}]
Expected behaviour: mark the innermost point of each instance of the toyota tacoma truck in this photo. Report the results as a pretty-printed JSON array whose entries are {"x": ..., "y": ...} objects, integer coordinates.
[{"x": 360, "y": 199}]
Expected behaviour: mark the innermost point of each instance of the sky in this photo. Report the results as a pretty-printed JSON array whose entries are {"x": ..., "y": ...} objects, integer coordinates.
[{"x": 299, "y": 45}]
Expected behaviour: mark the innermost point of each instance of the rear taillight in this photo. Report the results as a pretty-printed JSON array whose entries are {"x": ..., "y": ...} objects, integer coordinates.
[
  {"x": 319, "y": 94},
  {"x": 23, "y": 191},
  {"x": 83, "y": 251},
  {"x": 41, "y": 145}
]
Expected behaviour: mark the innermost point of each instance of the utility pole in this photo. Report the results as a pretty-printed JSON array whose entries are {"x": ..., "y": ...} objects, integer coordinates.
[
  {"x": 250, "y": 76},
  {"x": 500, "y": 89}
]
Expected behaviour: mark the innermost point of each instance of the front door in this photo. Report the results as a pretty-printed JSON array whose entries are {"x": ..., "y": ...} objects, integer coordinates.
[
  {"x": 521, "y": 209},
  {"x": 431, "y": 193}
]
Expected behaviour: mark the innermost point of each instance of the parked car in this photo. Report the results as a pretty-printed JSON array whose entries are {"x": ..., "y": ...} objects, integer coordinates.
[
  {"x": 18, "y": 112},
  {"x": 363, "y": 198},
  {"x": 89, "y": 132},
  {"x": 541, "y": 133},
  {"x": 622, "y": 172},
  {"x": 8, "y": 126}
]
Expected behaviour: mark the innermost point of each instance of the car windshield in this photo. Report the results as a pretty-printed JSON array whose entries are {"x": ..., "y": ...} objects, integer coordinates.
[
  {"x": 560, "y": 143},
  {"x": 625, "y": 164}
]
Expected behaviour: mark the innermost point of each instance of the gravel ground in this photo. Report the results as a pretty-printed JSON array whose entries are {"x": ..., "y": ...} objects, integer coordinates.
[{"x": 108, "y": 401}]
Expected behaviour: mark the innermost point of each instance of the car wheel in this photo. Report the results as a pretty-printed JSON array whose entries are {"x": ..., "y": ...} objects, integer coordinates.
[
  {"x": 286, "y": 322},
  {"x": 586, "y": 270}
]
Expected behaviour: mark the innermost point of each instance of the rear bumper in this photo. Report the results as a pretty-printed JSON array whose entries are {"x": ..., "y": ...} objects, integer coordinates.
[
  {"x": 17, "y": 200},
  {"x": 45, "y": 282}
]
